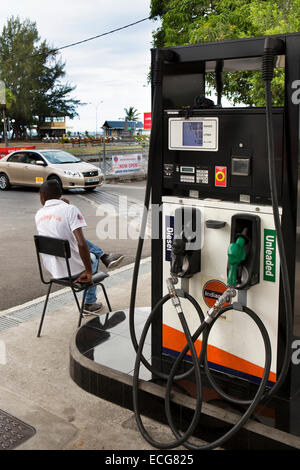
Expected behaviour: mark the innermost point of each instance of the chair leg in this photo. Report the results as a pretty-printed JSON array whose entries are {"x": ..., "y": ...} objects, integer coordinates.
[
  {"x": 44, "y": 310},
  {"x": 81, "y": 309},
  {"x": 106, "y": 297},
  {"x": 76, "y": 299}
]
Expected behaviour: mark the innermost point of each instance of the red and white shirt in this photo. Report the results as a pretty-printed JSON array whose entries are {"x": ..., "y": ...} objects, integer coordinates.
[{"x": 58, "y": 219}]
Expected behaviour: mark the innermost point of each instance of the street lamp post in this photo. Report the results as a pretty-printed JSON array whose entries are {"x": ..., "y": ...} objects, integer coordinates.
[
  {"x": 96, "y": 108},
  {"x": 104, "y": 155},
  {"x": 9, "y": 121},
  {"x": 6, "y": 127}
]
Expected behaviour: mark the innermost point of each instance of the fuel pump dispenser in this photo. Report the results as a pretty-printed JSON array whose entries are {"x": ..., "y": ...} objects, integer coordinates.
[{"x": 224, "y": 270}]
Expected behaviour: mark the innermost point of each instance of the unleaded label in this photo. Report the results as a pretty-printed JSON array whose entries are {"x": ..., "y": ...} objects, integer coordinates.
[{"x": 270, "y": 255}]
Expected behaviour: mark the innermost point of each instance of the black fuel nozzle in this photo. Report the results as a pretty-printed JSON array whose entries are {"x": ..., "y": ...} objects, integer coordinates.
[
  {"x": 186, "y": 246},
  {"x": 178, "y": 255}
]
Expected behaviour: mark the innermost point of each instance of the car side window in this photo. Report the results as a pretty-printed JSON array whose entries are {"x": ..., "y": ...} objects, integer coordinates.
[
  {"x": 19, "y": 157},
  {"x": 32, "y": 158}
]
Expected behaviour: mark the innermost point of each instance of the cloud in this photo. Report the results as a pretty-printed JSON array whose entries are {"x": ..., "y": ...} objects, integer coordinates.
[{"x": 113, "y": 68}]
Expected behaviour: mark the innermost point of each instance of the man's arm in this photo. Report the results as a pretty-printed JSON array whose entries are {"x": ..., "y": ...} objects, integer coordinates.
[{"x": 84, "y": 252}]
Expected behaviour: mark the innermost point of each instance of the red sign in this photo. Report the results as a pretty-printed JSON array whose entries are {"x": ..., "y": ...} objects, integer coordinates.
[
  {"x": 6, "y": 150},
  {"x": 147, "y": 120},
  {"x": 221, "y": 176}
]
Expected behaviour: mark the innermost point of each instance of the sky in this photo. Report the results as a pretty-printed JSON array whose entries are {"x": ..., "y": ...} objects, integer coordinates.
[{"x": 110, "y": 73}]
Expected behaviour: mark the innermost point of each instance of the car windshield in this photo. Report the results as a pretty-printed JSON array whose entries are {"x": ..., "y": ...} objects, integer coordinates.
[{"x": 59, "y": 157}]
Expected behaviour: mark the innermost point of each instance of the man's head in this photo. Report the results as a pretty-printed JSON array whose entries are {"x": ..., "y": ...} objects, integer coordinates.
[{"x": 50, "y": 190}]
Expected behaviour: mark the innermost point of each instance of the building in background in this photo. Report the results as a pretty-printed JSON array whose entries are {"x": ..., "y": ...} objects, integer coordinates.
[
  {"x": 122, "y": 128},
  {"x": 53, "y": 127}
]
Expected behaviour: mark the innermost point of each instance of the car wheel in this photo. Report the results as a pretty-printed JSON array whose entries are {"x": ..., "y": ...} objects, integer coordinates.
[
  {"x": 56, "y": 178},
  {"x": 4, "y": 182}
]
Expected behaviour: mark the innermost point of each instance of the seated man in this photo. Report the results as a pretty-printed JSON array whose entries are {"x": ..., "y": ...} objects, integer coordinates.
[{"x": 59, "y": 219}]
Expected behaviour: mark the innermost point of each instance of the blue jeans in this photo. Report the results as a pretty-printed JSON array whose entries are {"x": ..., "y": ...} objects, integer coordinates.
[{"x": 96, "y": 253}]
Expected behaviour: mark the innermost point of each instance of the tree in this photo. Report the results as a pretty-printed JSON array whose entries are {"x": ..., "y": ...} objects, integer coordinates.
[
  {"x": 131, "y": 114},
  {"x": 33, "y": 74},
  {"x": 196, "y": 21}
]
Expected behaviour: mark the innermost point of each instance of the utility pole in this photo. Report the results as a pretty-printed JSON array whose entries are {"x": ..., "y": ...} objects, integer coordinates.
[
  {"x": 3, "y": 106},
  {"x": 5, "y": 127},
  {"x": 104, "y": 155}
]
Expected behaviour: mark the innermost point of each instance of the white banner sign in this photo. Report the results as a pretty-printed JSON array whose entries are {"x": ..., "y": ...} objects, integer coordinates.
[{"x": 122, "y": 164}]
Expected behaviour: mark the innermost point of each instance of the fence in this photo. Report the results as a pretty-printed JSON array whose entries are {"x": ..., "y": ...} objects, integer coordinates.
[{"x": 124, "y": 165}]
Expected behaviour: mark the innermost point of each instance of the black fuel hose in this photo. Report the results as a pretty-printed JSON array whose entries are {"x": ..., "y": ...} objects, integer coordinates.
[
  {"x": 152, "y": 150},
  {"x": 253, "y": 403},
  {"x": 267, "y": 76},
  {"x": 183, "y": 439},
  {"x": 196, "y": 363},
  {"x": 156, "y": 128},
  {"x": 160, "y": 303}
]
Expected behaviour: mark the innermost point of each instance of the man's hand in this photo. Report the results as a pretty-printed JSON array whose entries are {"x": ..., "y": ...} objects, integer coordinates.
[
  {"x": 85, "y": 255},
  {"x": 65, "y": 200},
  {"x": 84, "y": 277}
]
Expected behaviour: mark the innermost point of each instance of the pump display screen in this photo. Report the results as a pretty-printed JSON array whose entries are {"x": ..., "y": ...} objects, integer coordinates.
[{"x": 192, "y": 134}]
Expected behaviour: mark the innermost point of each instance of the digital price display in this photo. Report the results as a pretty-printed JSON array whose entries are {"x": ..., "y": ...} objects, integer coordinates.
[{"x": 192, "y": 134}]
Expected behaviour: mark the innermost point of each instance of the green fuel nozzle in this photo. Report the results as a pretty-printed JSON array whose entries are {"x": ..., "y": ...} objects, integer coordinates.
[{"x": 236, "y": 254}]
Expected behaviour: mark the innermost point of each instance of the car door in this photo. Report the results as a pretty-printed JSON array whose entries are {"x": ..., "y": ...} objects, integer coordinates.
[
  {"x": 35, "y": 173},
  {"x": 15, "y": 167}
]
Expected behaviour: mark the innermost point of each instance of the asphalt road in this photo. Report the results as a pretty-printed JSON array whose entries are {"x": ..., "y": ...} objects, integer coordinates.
[{"x": 105, "y": 216}]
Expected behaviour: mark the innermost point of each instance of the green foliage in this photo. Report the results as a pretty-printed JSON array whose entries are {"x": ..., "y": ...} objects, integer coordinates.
[
  {"x": 9, "y": 98},
  {"x": 142, "y": 139},
  {"x": 131, "y": 114},
  {"x": 32, "y": 73},
  {"x": 196, "y": 21},
  {"x": 64, "y": 140}
]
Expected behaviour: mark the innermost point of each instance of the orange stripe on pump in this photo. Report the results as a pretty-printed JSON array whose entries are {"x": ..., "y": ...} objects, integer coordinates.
[{"x": 175, "y": 340}]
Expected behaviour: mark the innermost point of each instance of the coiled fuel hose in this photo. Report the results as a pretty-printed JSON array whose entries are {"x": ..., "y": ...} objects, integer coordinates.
[{"x": 205, "y": 327}]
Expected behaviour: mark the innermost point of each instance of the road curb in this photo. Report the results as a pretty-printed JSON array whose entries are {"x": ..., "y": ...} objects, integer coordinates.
[{"x": 65, "y": 290}]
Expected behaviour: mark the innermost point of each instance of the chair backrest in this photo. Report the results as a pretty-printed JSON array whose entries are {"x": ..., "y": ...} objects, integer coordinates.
[{"x": 52, "y": 246}]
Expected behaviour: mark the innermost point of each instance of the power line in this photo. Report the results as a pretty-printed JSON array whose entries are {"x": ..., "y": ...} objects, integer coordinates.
[
  {"x": 103, "y": 34},
  {"x": 119, "y": 29},
  {"x": 129, "y": 25},
  {"x": 56, "y": 49}
]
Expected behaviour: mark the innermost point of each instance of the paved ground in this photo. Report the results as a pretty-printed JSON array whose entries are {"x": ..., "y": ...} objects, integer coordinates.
[
  {"x": 19, "y": 277},
  {"x": 35, "y": 383},
  {"x": 36, "y": 386}
]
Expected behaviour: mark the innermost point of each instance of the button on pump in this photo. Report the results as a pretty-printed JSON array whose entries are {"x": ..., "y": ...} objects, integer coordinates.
[{"x": 221, "y": 176}]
